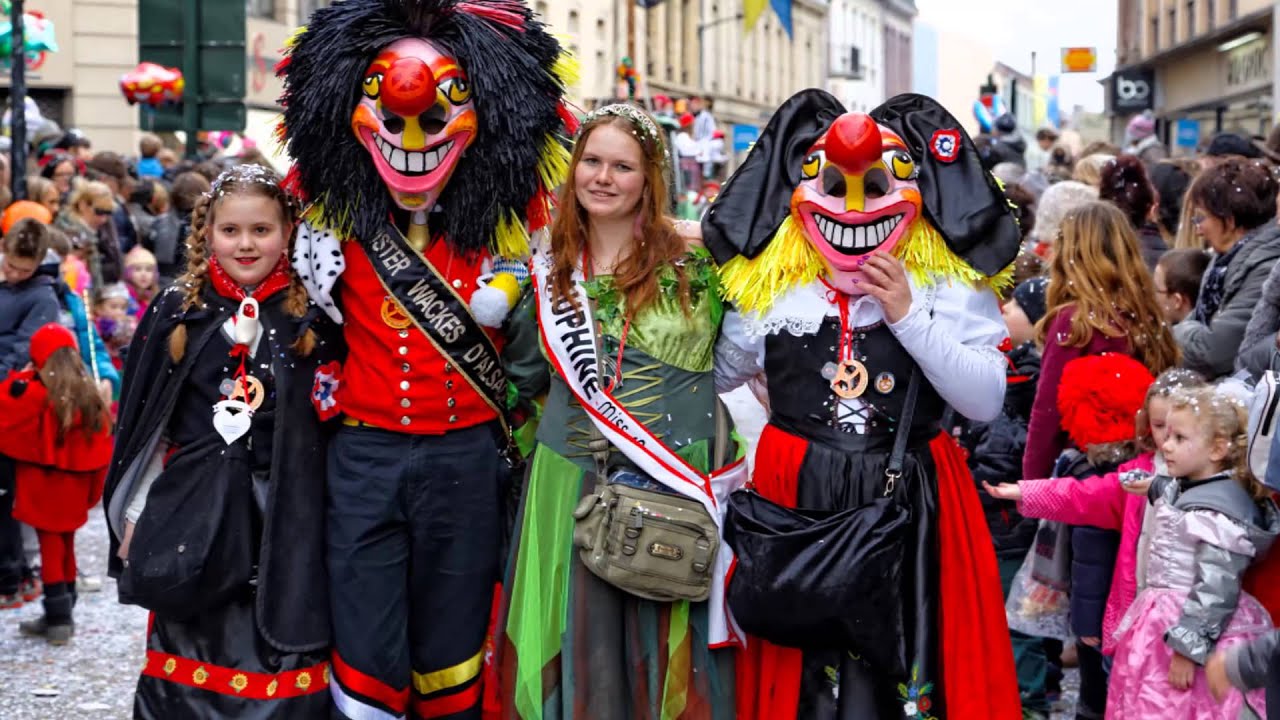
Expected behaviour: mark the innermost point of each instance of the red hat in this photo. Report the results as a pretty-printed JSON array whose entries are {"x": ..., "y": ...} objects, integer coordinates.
[
  {"x": 49, "y": 339},
  {"x": 718, "y": 135},
  {"x": 24, "y": 209},
  {"x": 686, "y": 120},
  {"x": 1099, "y": 395}
]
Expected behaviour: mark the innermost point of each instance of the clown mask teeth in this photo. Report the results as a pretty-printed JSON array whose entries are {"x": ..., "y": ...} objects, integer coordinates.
[
  {"x": 412, "y": 162},
  {"x": 857, "y": 239}
]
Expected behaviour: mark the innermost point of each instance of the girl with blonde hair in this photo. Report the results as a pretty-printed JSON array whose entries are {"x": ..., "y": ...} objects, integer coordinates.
[
  {"x": 86, "y": 219},
  {"x": 215, "y": 501},
  {"x": 1100, "y": 299}
]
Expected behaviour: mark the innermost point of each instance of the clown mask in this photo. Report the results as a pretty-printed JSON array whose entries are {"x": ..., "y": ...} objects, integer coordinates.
[
  {"x": 416, "y": 118},
  {"x": 858, "y": 195}
]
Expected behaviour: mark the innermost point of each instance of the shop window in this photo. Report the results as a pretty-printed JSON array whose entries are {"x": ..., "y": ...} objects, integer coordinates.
[
  {"x": 1173, "y": 27},
  {"x": 261, "y": 8},
  {"x": 1233, "y": 9},
  {"x": 1191, "y": 19},
  {"x": 1211, "y": 14},
  {"x": 573, "y": 21},
  {"x": 541, "y": 10},
  {"x": 1155, "y": 35}
]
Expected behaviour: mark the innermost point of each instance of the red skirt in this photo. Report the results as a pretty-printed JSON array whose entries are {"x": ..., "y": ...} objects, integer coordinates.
[{"x": 975, "y": 657}]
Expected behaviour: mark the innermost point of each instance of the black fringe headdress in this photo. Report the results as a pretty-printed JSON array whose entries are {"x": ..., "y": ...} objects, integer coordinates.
[{"x": 518, "y": 73}]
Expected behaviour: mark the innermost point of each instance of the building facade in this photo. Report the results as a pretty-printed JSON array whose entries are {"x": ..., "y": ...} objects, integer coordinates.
[
  {"x": 855, "y": 60},
  {"x": 896, "y": 23},
  {"x": 1202, "y": 66}
]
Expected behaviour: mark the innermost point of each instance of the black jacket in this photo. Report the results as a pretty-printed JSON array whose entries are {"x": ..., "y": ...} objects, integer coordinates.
[
  {"x": 1093, "y": 555},
  {"x": 24, "y": 307},
  {"x": 291, "y": 599},
  {"x": 995, "y": 454}
]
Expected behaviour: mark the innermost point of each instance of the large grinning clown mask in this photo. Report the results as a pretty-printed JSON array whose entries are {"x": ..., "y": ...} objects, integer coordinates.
[
  {"x": 823, "y": 189},
  {"x": 416, "y": 119},
  {"x": 858, "y": 195}
]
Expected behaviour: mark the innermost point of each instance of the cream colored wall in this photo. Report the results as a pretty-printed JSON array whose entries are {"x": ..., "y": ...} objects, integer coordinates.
[{"x": 963, "y": 65}]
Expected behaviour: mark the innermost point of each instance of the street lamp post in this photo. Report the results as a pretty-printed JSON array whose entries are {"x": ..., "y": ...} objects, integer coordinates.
[
  {"x": 702, "y": 46},
  {"x": 18, "y": 104}
]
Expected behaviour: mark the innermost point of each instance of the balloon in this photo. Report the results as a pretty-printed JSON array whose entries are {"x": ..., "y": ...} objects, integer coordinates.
[
  {"x": 38, "y": 39},
  {"x": 152, "y": 84},
  {"x": 24, "y": 209}
]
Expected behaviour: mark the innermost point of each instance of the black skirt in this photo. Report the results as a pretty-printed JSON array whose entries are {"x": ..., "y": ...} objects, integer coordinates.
[
  {"x": 219, "y": 666},
  {"x": 836, "y": 684}
]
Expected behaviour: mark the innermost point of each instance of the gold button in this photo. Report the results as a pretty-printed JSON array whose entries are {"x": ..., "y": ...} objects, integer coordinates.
[
  {"x": 457, "y": 283},
  {"x": 404, "y": 384},
  {"x": 452, "y": 402},
  {"x": 404, "y": 350},
  {"x": 453, "y": 418},
  {"x": 404, "y": 402},
  {"x": 404, "y": 367},
  {"x": 404, "y": 333},
  {"x": 404, "y": 421}
]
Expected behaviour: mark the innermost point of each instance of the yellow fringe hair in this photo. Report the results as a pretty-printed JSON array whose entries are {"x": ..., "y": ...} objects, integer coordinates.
[{"x": 790, "y": 260}]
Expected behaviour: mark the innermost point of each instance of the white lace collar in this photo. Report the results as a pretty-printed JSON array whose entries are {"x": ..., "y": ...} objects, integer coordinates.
[{"x": 802, "y": 310}]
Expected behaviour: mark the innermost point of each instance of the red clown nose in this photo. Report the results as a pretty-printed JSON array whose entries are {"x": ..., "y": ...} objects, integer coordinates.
[
  {"x": 853, "y": 143},
  {"x": 409, "y": 89}
]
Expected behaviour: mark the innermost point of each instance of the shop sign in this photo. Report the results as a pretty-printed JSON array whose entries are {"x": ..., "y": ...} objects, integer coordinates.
[
  {"x": 744, "y": 136},
  {"x": 1133, "y": 90},
  {"x": 1188, "y": 133},
  {"x": 1079, "y": 60},
  {"x": 1248, "y": 65}
]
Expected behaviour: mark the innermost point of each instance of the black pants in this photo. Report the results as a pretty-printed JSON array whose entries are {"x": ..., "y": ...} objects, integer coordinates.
[
  {"x": 12, "y": 560},
  {"x": 1093, "y": 683},
  {"x": 414, "y": 529}
]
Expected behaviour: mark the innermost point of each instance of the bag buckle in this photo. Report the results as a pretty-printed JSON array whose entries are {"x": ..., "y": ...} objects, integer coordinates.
[{"x": 891, "y": 480}]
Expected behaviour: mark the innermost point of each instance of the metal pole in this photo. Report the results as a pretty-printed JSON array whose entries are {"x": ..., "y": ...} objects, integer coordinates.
[
  {"x": 191, "y": 71},
  {"x": 18, "y": 101}
]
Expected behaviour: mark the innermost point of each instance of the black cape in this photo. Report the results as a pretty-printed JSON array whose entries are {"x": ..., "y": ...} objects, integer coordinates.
[{"x": 292, "y": 607}]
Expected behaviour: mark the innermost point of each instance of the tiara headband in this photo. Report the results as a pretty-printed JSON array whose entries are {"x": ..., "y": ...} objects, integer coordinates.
[
  {"x": 639, "y": 122},
  {"x": 248, "y": 173}
]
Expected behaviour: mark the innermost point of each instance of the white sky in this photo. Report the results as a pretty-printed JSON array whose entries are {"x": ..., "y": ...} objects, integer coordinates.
[{"x": 1013, "y": 29}]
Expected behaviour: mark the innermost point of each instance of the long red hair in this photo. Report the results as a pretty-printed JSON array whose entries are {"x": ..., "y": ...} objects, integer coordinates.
[{"x": 656, "y": 242}]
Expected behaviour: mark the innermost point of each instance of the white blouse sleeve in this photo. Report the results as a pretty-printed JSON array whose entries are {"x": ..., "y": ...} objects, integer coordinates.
[
  {"x": 958, "y": 348},
  {"x": 739, "y": 353}
]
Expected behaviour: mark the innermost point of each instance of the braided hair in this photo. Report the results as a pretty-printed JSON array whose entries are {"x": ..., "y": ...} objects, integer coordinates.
[{"x": 240, "y": 180}]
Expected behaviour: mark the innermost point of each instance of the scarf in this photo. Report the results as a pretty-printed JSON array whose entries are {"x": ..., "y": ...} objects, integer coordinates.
[
  {"x": 1215, "y": 284},
  {"x": 222, "y": 283}
]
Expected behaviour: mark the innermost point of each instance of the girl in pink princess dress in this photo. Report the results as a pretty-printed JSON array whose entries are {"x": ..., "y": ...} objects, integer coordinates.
[{"x": 1212, "y": 519}]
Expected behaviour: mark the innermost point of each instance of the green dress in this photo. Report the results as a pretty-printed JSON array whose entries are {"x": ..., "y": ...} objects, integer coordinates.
[{"x": 573, "y": 647}]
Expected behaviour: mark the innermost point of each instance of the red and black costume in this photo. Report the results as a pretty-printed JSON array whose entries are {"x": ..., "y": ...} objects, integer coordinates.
[
  {"x": 245, "y": 632},
  {"x": 429, "y": 136},
  {"x": 854, "y": 450},
  {"x": 59, "y": 473}
]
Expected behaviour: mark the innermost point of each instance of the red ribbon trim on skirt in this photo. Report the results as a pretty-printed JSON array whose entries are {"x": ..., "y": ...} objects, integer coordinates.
[{"x": 237, "y": 683}]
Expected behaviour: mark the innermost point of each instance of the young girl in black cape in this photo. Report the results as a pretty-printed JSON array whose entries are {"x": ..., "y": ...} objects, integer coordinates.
[{"x": 215, "y": 496}]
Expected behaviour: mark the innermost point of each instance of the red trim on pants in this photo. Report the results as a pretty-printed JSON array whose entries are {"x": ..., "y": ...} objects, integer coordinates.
[
  {"x": 237, "y": 683},
  {"x": 971, "y": 611},
  {"x": 370, "y": 687},
  {"x": 57, "y": 557},
  {"x": 449, "y": 704}
]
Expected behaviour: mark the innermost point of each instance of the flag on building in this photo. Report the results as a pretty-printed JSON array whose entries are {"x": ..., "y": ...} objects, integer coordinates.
[{"x": 753, "y": 9}]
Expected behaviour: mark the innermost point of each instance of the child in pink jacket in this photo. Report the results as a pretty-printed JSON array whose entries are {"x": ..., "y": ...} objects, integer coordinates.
[{"x": 1102, "y": 501}]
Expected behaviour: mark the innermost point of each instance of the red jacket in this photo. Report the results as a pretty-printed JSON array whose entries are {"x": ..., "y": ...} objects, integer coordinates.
[
  {"x": 394, "y": 378},
  {"x": 57, "y": 482}
]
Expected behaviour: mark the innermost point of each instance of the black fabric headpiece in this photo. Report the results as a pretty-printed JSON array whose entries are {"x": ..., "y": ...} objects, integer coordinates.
[
  {"x": 755, "y": 201},
  {"x": 961, "y": 199},
  {"x": 514, "y": 88}
]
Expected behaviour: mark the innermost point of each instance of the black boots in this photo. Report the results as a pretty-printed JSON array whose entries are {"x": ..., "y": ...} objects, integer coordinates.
[{"x": 55, "y": 625}]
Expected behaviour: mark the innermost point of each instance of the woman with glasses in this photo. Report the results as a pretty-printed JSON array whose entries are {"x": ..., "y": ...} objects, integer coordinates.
[
  {"x": 1233, "y": 211},
  {"x": 62, "y": 169},
  {"x": 86, "y": 218}
]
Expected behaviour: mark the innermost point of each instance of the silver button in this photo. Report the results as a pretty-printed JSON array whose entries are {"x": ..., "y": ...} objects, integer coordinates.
[
  {"x": 452, "y": 402},
  {"x": 404, "y": 367},
  {"x": 448, "y": 384},
  {"x": 404, "y": 333},
  {"x": 182, "y": 548},
  {"x": 404, "y": 421},
  {"x": 403, "y": 350},
  {"x": 404, "y": 384},
  {"x": 453, "y": 418},
  {"x": 448, "y": 368},
  {"x": 457, "y": 283},
  {"x": 404, "y": 402}
]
